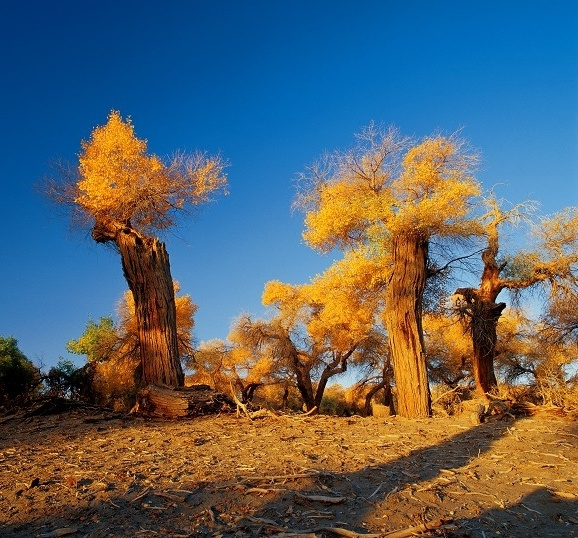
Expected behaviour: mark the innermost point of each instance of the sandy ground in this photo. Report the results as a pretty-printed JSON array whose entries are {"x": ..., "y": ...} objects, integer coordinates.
[{"x": 88, "y": 473}]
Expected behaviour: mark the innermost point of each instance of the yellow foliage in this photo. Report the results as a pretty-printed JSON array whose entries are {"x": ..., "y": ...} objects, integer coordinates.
[
  {"x": 449, "y": 347},
  {"x": 428, "y": 190},
  {"x": 120, "y": 182}
]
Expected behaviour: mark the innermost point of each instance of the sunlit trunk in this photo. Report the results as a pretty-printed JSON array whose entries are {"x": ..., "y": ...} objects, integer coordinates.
[
  {"x": 146, "y": 268},
  {"x": 403, "y": 319},
  {"x": 483, "y": 314}
]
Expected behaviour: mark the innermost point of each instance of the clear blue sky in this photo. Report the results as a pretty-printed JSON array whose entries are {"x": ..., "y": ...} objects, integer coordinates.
[{"x": 270, "y": 85}]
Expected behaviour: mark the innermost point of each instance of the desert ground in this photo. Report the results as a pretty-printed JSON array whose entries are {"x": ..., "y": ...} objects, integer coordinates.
[{"x": 92, "y": 473}]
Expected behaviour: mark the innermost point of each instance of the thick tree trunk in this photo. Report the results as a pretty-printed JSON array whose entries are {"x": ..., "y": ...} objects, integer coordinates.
[
  {"x": 187, "y": 402},
  {"x": 484, "y": 338},
  {"x": 403, "y": 319},
  {"x": 146, "y": 267}
]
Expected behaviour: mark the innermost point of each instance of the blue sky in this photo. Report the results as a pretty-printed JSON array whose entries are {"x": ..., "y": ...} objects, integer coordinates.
[{"x": 270, "y": 85}]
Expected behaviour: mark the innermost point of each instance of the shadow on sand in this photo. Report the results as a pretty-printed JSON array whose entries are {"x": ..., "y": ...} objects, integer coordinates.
[{"x": 424, "y": 484}]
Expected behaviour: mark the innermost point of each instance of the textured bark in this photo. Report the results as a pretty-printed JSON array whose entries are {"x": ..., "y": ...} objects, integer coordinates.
[
  {"x": 403, "y": 319},
  {"x": 187, "y": 402},
  {"x": 483, "y": 314},
  {"x": 146, "y": 267}
]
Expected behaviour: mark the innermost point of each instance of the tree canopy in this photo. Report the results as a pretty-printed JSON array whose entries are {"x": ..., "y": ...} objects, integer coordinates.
[{"x": 121, "y": 182}]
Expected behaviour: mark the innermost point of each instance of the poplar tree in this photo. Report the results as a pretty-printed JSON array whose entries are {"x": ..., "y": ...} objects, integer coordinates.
[{"x": 128, "y": 196}]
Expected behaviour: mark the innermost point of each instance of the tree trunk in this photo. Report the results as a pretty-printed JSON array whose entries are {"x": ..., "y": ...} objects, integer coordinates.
[
  {"x": 383, "y": 384},
  {"x": 248, "y": 392},
  {"x": 146, "y": 267},
  {"x": 187, "y": 402},
  {"x": 403, "y": 319},
  {"x": 482, "y": 314},
  {"x": 303, "y": 381},
  {"x": 337, "y": 366},
  {"x": 484, "y": 338}
]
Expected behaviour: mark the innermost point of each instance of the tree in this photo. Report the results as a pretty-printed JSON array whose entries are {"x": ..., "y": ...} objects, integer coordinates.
[
  {"x": 525, "y": 352},
  {"x": 113, "y": 349},
  {"x": 317, "y": 331},
  {"x": 229, "y": 366},
  {"x": 560, "y": 320},
  {"x": 128, "y": 195},
  {"x": 100, "y": 341},
  {"x": 552, "y": 262},
  {"x": 390, "y": 198},
  {"x": 19, "y": 378},
  {"x": 65, "y": 380}
]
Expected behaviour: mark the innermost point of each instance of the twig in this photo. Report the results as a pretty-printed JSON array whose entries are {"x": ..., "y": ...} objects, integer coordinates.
[
  {"x": 444, "y": 394},
  {"x": 283, "y": 476},
  {"x": 168, "y": 496},
  {"x": 321, "y": 498},
  {"x": 140, "y": 495},
  {"x": 424, "y": 527},
  {"x": 264, "y": 491}
]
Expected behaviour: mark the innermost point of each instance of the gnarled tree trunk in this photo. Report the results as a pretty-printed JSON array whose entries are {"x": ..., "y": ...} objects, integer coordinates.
[
  {"x": 403, "y": 319},
  {"x": 484, "y": 338},
  {"x": 482, "y": 313},
  {"x": 146, "y": 267}
]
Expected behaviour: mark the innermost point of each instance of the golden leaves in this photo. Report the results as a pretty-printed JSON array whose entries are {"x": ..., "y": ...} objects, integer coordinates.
[
  {"x": 374, "y": 192},
  {"x": 119, "y": 181}
]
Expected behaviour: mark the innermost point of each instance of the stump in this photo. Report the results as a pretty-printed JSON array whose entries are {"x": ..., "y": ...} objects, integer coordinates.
[{"x": 183, "y": 402}]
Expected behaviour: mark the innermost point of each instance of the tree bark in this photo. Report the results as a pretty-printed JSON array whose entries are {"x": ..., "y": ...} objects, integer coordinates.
[
  {"x": 146, "y": 267},
  {"x": 403, "y": 319},
  {"x": 187, "y": 402},
  {"x": 484, "y": 337},
  {"x": 483, "y": 314},
  {"x": 303, "y": 380}
]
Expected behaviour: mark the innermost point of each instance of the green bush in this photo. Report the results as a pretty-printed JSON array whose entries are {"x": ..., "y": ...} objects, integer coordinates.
[{"x": 19, "y": 378}]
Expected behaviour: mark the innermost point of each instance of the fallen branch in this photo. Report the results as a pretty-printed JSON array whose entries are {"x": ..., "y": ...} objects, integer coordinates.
[
  {"x": 418, "y": 529},
  {"x": 283, "y": 476},
  {"x": 321, "y": 498},
  {"x": 140, "y": 495},
  {"x": 240, "y": 405},
  {"x": 444, "y": 395}
]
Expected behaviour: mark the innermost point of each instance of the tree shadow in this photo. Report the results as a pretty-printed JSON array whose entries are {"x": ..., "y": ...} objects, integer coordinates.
[{"x": 423, "y": 484}]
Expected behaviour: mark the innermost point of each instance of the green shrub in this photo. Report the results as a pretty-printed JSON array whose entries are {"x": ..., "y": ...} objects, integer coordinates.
[{"x": 19, "y": 378}]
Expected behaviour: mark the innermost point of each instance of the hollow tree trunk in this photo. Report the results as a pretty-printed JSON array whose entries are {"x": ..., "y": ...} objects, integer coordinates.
[
  {"x": 146, "y": 267},
  {"x": 403, "y": 319}
]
